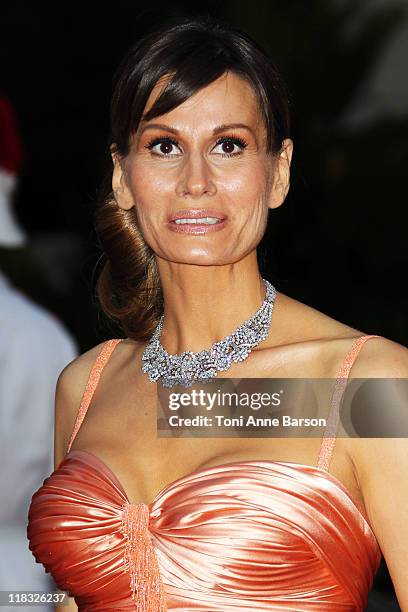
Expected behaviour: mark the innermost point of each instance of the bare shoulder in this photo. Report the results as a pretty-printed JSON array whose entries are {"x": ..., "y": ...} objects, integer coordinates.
[
  {"x": 69, "y": 390},
  {"x": 314, "y": 344},
  {"x": 295, "y": 322},
  {"x": 381, "y": 358}
]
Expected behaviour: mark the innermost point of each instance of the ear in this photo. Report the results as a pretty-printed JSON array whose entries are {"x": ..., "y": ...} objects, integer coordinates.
[
  {"x": 281, "y": 174},
  {"x": 120, "y": 189}
]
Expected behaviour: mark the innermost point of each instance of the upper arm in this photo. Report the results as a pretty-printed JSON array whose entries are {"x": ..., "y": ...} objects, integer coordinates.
[
  {"x": 69, "y": 390},
  {"x": 382, "y": 466}
]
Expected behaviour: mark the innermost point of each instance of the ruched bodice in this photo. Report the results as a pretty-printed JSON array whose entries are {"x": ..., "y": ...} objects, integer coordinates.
[{"x": 246, "y": 535}]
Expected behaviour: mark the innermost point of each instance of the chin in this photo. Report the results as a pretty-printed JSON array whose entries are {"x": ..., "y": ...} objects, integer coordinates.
[{"x": 198, "y": 258}]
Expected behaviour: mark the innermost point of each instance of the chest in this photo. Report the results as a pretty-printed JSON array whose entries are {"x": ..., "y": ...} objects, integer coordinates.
[{"x": 256, "y": 532}]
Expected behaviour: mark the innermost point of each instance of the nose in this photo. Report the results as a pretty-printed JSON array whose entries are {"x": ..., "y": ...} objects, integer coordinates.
[{"x": 195, "y": 177}]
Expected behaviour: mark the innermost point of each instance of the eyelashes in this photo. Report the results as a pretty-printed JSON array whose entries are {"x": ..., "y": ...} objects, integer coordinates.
[
  {"x": 161, "y": 140},
  {"x": 166, "y": 140}
]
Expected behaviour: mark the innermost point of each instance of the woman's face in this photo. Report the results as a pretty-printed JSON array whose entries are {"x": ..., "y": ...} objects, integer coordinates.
[{"x": 205, "y": 159}]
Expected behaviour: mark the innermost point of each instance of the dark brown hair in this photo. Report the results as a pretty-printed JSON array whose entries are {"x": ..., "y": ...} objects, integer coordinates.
[{"x": 194, "y": 53}]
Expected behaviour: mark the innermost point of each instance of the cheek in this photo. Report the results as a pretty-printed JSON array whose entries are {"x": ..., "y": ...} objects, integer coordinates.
[
  {"x": 247, "y": 187},
  {"x": 148, "y": 188}
]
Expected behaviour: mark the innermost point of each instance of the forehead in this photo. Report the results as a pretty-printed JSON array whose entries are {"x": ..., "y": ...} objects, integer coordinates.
[{"x": 228, "y": 99}]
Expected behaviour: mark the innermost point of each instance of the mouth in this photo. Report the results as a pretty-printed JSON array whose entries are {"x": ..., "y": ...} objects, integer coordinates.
[
  {"x": 197, "y": 221},
  {"x": 205, "y": 220}
]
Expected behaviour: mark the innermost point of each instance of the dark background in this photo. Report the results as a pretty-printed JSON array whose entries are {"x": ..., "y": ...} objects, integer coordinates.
[{"x": 339, "y": 241}]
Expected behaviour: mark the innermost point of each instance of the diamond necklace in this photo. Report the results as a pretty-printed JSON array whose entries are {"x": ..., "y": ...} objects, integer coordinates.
[{"x": 188, "y": 368}]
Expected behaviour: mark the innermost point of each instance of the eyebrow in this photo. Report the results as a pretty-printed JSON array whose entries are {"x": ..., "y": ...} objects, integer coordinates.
[{"x": 216, "y": 130}]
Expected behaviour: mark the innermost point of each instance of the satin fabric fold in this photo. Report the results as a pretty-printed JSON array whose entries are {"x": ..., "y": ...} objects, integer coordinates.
[{"x": 248, "y": 535}]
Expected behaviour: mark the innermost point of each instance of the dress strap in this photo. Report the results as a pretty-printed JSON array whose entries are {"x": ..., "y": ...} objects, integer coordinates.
[
  {"x": 329, "y": 436},
  {"x": 94, "y": 376}
]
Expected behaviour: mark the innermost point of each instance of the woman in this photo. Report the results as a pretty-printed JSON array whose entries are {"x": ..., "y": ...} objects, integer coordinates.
[{"x": 201, "y": 151}]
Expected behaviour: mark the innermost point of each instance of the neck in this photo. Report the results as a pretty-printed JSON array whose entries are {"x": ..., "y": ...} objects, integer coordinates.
[{"x": 203, "y": 304}]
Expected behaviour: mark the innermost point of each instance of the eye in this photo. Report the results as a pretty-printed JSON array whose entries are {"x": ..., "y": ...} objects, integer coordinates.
[
  {"x": 228, "y": 145},
  {"x": 164, "y": 146}
]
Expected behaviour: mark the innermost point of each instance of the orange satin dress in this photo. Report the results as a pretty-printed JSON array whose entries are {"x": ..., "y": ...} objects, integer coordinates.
[{"x": 242, "y": 536}]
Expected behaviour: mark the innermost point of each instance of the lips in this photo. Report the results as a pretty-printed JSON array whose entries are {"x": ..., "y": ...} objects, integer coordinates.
[
  {"x": 197, "y": 221},
  {"x": 201, "y": 213}
]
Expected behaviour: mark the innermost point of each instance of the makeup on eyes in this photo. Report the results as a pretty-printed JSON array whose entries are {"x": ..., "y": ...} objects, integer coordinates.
[{"x": 234, "y": 140}]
